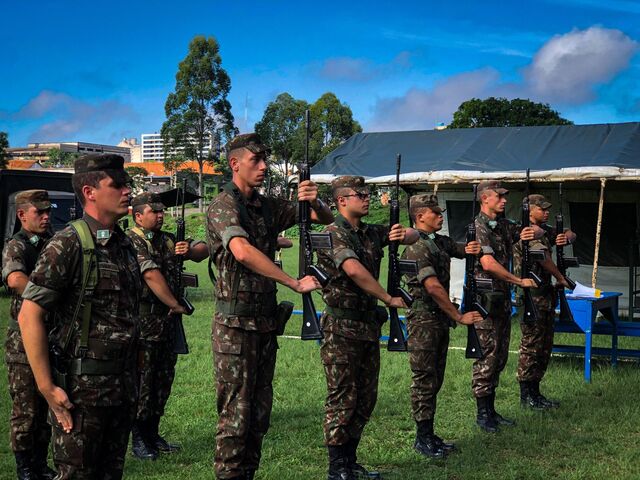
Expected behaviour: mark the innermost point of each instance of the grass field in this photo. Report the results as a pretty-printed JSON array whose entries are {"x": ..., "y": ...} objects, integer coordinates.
[{"x": 594, "y": 435}]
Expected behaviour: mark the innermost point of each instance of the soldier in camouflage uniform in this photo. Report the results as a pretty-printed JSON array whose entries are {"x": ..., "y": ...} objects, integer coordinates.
[
  {"x": 537, "y": 338},
  {"x": 351, "y": 322},
  {"x": 496, "y": 236},
  {"x": 30, "y": 432},
  {"x": 157, "y": 253},
  {"x": 88, "y": 276},
  {"x": 430, "y": 317},
  {"x": 242, "y": 232}
]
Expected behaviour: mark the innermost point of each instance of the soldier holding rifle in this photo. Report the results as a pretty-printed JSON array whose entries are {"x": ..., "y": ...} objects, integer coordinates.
[
  {"x": 242, "y": 233},
  {"x": 496, "y": 237},
  {"x": 351, "y": 322},
  {"x": 430, "y": 317},
  {"x": 537, "y": 338},
  {"x": 157, "y": 252}
]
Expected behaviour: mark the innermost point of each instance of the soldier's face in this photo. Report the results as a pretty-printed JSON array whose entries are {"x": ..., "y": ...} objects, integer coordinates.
[
  {"x": 250, "y": 168},
  {"x": 495, "y": 202},
  {"x": 432, "y": 220},
  {"x": 150, "y": 219},
  {"x": 356, "y": 203},
  {"x": 112, "y": 197},
  {"x": 538, "y": 214},
  {"x": 34, "y": 220}
]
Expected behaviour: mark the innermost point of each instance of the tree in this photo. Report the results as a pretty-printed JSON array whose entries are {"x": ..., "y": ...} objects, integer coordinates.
[
  {"x": 279, "y": 128},
  {"x": 198, "y": 109},
  {"x": 137, "y": 175},
  {"x": 4, "y": 144},
  {"x": 501, "y": 112},
  {"x": 58, "y": 158}
]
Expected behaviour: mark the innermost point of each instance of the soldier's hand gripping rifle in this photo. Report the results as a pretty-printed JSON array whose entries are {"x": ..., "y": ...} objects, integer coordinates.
[
  {"x": 563, "y": 263},
  {"x": 472, "y": 285},
  {"x": 180, "y": 345},
  {"x": 308, "y": 241},
  {"x": 397, "y": 268},
  {"x": 530, "y": 314}
]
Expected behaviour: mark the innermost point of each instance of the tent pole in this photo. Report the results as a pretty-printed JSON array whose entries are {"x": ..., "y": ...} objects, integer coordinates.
[{"x": 594, "y": 274}]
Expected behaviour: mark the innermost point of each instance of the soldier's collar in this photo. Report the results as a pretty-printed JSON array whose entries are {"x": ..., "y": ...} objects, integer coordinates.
[
  {"x": 424, "y": 234},
  {"x": 254, "y": 199},
  {"x": 484, "y": 218},
  {"x": 102, "y": 235},
  {"x": 344, "y": 223}
]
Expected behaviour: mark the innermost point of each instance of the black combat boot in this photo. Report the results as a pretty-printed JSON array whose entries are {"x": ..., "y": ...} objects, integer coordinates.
[
  {"x": 499, "y": 419},
  {"x": 485, "y": 418},
  {"x": 448, "y": 447},
  {"x": 157, "y": 441},
  {"x": 24, "y": 465},
  {"x": 141, "y": 447},
  {"x": 527, "y": 397},
  {"x": 358, "y": 470},
  {"x": 426, "y": 443},
  {"x": 40, "y": 462},
  {"x": 339, "y": 468},
  {"x": 548, "y": 403}
]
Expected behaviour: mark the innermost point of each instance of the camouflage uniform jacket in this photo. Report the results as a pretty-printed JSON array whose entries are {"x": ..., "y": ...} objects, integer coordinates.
[
  {"x": 265, "y": 218},
  {"x": 20, "y": 254},
  {"x": 545, "y": 294},
  {"x": 155, "y": 250},
  {"x": 56, "y": 284},
  {"x": 433, "y": 254},
  {"x": 496, "y": 237},
  {"x": 365, "y": 245}
]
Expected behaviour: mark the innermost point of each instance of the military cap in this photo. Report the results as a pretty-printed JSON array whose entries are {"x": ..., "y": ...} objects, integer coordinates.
[
  {"x": 151, "y": 199},
  {"x": 37, "y": 198},
  {"x": 425, "y": 200},
  {"x": 97, "y": 162},
  {"x": 491, "y": 185},
  {"x": 250, "y": 141},
  {"x": 539, "y": 201},
  {"x": 350, "y": 181}
]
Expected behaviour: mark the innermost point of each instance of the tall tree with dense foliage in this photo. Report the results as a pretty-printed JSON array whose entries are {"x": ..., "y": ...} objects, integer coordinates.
[
  {"x": 501, "y": 112},
  {"x": 4, "y": 144},
  {"x": 198, "y": 109}
]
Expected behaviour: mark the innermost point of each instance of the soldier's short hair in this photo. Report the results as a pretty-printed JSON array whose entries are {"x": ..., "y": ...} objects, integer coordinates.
[{"x": 79, "y": 180}]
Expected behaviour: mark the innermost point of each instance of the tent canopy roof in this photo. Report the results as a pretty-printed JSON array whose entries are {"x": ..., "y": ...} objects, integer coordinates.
[{"x": 468, "y": 154}]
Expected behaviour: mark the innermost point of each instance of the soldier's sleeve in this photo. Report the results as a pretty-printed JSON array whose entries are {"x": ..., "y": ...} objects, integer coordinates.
[
  {"x": 13, "y": 259},
  {"x": 285, "y": 213},
  {"x": 482, "y": 236},
  {"x": 383, "y": 232},
  {"x": 57, "y": 271},
  {"x": 453, "y": 248},
  {"x": 223, "y": 220},
  {"x": 342, "y": 247},
  {"x": 143, "y": 256},
  {"x": 423, "y": 258}
]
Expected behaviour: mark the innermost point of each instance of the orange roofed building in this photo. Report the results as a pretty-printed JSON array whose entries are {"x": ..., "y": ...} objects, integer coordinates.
[{"x": 158, "y": 168}]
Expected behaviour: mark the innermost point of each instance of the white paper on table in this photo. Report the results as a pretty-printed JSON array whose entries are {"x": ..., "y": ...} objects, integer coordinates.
[{"x": 582, "y": 291}]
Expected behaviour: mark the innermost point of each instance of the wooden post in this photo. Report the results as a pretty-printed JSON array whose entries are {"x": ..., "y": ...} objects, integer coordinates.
[{"x": 594, "y": 274}]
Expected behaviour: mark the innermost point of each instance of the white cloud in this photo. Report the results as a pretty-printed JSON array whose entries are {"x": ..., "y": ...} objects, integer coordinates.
[{"x": 352, "y": 69}]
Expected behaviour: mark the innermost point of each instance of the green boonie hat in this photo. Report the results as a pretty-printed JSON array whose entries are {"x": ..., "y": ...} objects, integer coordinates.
[
  {"x": 151, "y": 199},
  {"x": 539, "y": 201},
  {"x": 350, "y": 181},
  {"x": 250, "y": 141},
  {"x": 425, "y": 200},
  {"x": 491, "y": 185},
  {"x": 37, "y": 198}
]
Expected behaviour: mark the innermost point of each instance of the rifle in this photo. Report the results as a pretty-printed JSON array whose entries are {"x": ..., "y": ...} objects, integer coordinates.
[
  {"x": 180, "y": 345},
  {"x": 397, "y": 268},
  {"x": 530, "y": 314},
  {"x": 471, "y": 287},
  {"x": 563, "y": 263},
  {"x": 311, "y": 329}
]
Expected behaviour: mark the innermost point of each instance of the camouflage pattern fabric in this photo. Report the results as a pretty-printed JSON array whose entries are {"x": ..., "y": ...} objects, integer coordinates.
[
  {"x": 244, "y": 347},
  {"x": 28, "y": 421},
  {"x": 427, "y": 325},
  {"x": 55, "y": 285},
  {"x": 496, "y": 238},
  {"x": 351, "y": 368}
]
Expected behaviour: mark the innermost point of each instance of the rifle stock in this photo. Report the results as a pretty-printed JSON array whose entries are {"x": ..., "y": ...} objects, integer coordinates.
[
  {"x": 180, "y": 345},
  {"x": 530, "y": 313}
]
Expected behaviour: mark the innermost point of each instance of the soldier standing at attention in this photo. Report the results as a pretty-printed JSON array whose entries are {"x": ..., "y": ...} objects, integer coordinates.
[
  {"x": 30, "y": 432},
  {"x": 243, "y": 228},
  {"x": 430, "y": 317},
  {"x": 537, "y": 338},
  {"x": 156, "y": 251},
  {"x": 351, "y": 322},
  {"x": 87, "y": 275},
  {"x": 496, "y": 237}
]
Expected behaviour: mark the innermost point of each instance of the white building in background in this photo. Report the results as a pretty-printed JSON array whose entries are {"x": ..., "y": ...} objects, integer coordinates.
[
  {"x": 40, "y": 151},
  {"x": 134, "y": 148},
  {"x": 152, "y": 147}
]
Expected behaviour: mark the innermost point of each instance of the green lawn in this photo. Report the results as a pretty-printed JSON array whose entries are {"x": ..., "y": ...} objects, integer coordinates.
[{"x": 594, "y": 435}]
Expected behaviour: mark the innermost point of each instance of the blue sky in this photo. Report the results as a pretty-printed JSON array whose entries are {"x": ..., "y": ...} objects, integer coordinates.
[{"x": 99, "y": 72}]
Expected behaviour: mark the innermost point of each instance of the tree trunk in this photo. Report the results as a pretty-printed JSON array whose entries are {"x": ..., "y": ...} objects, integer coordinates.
[{"x": 200, "y": 200}]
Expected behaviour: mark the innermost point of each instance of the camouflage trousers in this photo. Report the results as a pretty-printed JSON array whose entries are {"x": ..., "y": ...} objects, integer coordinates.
[
  {"x": 29, "y": 427},
  {"x": 96, "y": 446},
  {"x": 351, "y": 368},
  {"x": 535, "y": 347},
  {"x": 427, "y": 345},
  {"x": 156, "y": 371},
  {"x": 494, "y": 334},
  {"x": 244, "y": 363}
]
